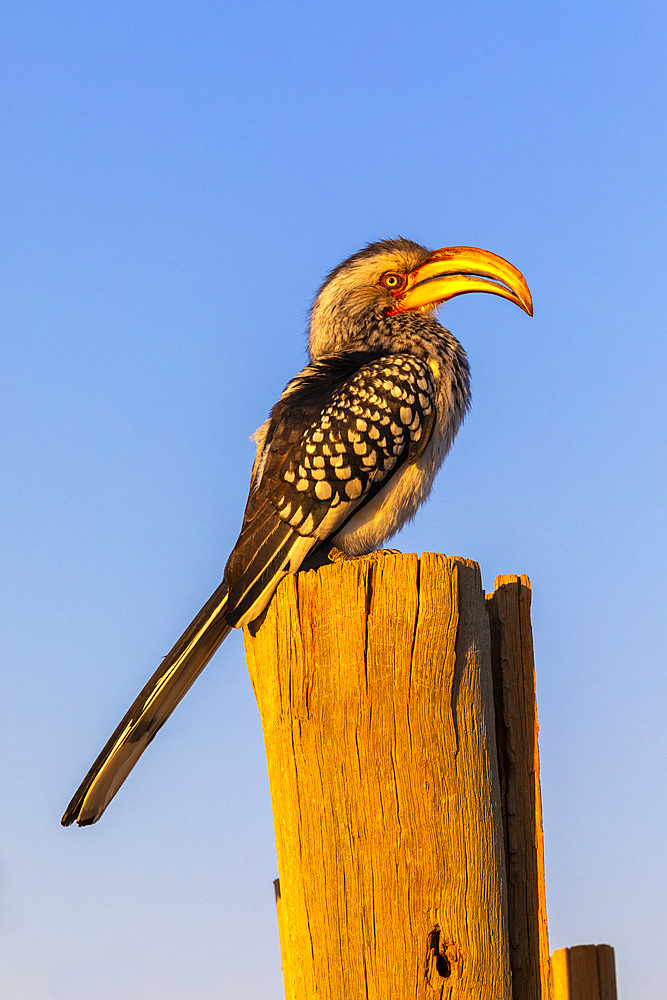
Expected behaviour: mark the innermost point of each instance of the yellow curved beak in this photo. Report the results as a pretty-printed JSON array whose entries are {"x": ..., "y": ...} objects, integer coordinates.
[{"x": 454, "y": 271}]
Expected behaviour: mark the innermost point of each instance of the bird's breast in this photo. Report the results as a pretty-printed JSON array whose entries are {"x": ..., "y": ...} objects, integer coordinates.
[{"x": 398, "y": 502}]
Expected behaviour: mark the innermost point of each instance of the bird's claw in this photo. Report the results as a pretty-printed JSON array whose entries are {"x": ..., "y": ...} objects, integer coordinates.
[{"x": 335, "y": 555}]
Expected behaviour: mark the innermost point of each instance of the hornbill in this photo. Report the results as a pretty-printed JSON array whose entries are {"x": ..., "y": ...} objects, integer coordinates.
[{"x": 347, "y": 455}]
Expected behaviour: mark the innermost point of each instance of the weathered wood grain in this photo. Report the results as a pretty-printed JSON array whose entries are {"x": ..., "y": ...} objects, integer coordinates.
[
  {"x": 560, "y": 975},
  {"x": 373, "y": 680},
  {"x": 607, "y": 972},
  {"x": 584, "y": 972},
  {"x": 519, "y": 765}
]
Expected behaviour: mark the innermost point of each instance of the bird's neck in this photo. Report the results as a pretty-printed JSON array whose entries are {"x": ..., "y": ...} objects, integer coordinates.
[
  {"x": 414, "y": 333},
  {"x": 418, "y": 334}
]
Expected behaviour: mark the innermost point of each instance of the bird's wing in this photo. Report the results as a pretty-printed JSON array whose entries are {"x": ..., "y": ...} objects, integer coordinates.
[
  {"x": 340, "y": 431},
  {"x": 150, "y": 710}
]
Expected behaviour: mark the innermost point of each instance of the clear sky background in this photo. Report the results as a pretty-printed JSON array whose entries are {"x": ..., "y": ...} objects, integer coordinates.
[{"x": 176, "y": 180}]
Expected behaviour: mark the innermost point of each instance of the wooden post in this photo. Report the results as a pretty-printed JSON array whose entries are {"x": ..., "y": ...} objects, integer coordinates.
[
  {"x": 519, "y": 766},
  {"x": 585, "y": 972},
  {"x": 373, "y": 680}
]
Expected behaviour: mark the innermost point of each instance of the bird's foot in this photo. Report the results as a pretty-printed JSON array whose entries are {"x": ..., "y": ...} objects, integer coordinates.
[
  {"x": 335, "y": 555},
  {"x": 378, "y": 553},
  {"x": 327, "y": 556}
]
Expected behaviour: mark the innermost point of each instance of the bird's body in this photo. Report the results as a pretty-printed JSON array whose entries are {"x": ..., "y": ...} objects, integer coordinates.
[{"x": 347, "y": 456}]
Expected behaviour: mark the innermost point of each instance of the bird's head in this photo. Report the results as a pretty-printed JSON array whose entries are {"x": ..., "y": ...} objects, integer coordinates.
[{"x": 393, "y": 277}]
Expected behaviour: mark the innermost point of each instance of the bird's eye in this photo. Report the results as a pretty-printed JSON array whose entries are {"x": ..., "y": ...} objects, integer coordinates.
[{"x": 392, "y": 280}]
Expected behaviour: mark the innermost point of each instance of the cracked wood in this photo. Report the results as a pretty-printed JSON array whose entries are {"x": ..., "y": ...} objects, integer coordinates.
[{"x": 373, "y": 680}]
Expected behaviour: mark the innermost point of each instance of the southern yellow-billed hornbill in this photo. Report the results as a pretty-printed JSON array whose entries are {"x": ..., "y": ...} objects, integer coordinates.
[{"x": 346, "y": 457}]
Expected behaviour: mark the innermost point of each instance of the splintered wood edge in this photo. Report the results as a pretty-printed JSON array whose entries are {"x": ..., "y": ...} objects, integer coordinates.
[{"x": 506, "y": 578}]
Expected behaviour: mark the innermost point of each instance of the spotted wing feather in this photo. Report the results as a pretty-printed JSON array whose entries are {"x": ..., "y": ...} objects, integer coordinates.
[{"x": 341, "y": 429}]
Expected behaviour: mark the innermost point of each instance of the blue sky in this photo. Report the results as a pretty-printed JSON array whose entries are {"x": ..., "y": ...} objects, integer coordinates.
[{"x": 176, "y": 180}]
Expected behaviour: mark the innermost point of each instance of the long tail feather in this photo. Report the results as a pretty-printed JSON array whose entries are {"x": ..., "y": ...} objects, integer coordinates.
[{"x": 171, "y": 681}]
